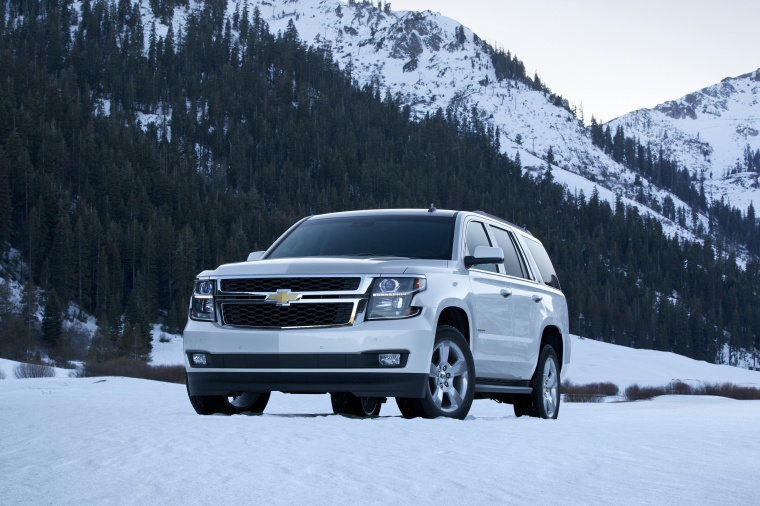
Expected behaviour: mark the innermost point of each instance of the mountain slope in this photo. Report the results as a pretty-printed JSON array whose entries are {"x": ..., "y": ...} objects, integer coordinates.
[
  {"x": 709, "y": 132},
  {"x": 421, "y": 59},
  {"x": 418, "y": 57}
]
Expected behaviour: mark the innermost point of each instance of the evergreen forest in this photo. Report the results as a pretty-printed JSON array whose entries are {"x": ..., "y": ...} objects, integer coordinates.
[{"x": 132, "y": 160}]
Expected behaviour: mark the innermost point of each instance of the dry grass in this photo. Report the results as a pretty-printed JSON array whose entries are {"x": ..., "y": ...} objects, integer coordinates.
[
  {"x": 729, "y": 390},
  {"x": 590, "y": 392},
  {"x": 132, "y": 368},
  {"x": 600, "y": 392}
]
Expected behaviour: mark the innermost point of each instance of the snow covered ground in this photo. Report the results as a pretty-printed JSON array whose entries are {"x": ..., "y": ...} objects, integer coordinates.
[
  {"x": 595, "y": 361},
  {"x": 127, "y": 441}
]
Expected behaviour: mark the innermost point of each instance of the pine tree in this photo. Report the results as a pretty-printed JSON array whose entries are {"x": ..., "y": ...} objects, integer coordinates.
[
  {"x": 29, "y": 304},
  {"x": 52, "y": 322},
  {"x": 61, "y": 258},
  {"x": 6, "y": 207}
]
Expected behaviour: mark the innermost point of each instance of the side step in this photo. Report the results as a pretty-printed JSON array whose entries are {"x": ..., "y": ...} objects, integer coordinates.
[{"x": 491, "y": 386}]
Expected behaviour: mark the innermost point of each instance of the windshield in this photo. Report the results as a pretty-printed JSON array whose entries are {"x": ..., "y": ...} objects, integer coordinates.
[{"x": 429, "y": 237}]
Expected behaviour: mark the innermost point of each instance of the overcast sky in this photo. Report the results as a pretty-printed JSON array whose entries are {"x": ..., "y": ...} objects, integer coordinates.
[{"x": 612, "y": 57}]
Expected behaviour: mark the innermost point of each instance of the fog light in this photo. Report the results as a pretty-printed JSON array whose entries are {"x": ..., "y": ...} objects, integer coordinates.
[
  {"x": 199, "y": 359},
  {"x": 389, "y": 359}
]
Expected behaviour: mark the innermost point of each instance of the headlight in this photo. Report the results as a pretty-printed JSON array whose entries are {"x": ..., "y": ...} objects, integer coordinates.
[
  {"x": 391, "y": 297},
  {"x": 202, "y": 305}
]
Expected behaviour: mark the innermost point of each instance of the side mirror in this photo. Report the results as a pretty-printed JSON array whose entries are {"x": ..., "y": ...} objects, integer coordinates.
[
  {"x": 256, "y": 255},
  {"x": 485, "y": 255}
]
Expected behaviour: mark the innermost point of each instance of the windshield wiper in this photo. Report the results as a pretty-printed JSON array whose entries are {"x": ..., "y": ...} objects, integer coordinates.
[{"x": 376, "y": 255}]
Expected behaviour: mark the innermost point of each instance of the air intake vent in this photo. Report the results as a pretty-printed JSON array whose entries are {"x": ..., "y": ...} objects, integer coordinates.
[
  {"x": 270, "y": 285},
  {"x": 295, "y": 315}
]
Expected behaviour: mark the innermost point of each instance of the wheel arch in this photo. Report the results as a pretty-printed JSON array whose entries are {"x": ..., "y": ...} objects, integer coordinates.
[
  {"x": 553, "y": 336},
  {"x": 456, "y": 317}
]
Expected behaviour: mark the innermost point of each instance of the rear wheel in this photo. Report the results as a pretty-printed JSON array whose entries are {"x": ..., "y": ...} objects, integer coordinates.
[
  {"x": 245, "y": 402},
  {"x": 450, "y": 384},
  {"x": 344, "y": 403},
  {"x": 543, "y": 402}
]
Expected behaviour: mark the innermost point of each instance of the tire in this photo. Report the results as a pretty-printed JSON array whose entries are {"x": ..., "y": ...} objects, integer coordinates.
[
  {"x": 344, "y": 403},
  {"x": 410, "y": 408},
  {"x": 521, "y": 405},
  {"x": 544, "y": 401},
  {"x": 246, "y": 402},
  {"x": 450, "y": 386}
]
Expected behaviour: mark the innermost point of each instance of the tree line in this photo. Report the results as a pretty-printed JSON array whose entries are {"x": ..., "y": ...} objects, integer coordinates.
[{"x": 729, "y": 226}]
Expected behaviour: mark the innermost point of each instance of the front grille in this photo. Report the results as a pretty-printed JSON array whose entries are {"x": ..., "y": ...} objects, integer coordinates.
[
  {"x": 267, "y": 285},
  {"x": 294, "y": 315}
]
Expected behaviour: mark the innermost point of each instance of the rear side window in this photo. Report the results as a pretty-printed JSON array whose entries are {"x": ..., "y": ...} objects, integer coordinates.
[
  {"x": 512, "y": 264},
  {"x": 545, "y": 266}
]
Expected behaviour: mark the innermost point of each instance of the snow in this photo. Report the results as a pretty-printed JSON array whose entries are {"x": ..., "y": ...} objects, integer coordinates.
[
  {"x": 595, "y": 361},
  {"x": 127, "y": 441},
  {"x": 707, "y": 132},
  {"x": 461, "y": 78},
  {"x": 120, "y": 440},
  {"x": 167, "y": 348},
  {"x": 456, "y": 77}
]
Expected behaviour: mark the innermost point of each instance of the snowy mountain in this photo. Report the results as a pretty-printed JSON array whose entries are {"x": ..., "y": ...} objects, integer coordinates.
[
  {"x": 709, "y": 132},
  {"x": 431, "y": 62},
  {"x": 416, "y": 55}
]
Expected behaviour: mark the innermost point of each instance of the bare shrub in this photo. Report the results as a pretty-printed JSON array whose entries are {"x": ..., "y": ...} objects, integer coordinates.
[
  {"x": 26, "y": 370},
  {"x": 121, "y": 366},
  {"x": 729, "y": 390},
  {"x": 590, "y": 392},
  {"x": 607, "y": 388},
  {"x": 732, "y": 391},
  {"x": 163, "y": 338},
  {"x": 680, "y": 388},
  {"x": 132, "y": 368},
  {"x": 169, "y": 373},
  {"x": 638, "y": 393}
]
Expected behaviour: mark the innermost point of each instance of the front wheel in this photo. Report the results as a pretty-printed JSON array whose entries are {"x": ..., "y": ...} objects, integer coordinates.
[
  {"x": 245, "y": 402},
  {"x": 344, "y": 403},
  {"x": 450, "y": 384},
  {"x": 543, "y": 402}
]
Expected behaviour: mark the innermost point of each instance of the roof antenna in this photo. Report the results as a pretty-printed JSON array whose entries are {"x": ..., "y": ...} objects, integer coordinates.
[{"x": 432, "y": 209}]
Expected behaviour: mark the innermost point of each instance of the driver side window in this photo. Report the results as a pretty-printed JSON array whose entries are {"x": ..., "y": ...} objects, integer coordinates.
[{"x": 476, "y": 236}]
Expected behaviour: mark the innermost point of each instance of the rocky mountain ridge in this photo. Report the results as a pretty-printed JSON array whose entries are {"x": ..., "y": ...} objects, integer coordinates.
[
  {"x": 430, "y": 62},
  {"x": 709, "y": 132}
]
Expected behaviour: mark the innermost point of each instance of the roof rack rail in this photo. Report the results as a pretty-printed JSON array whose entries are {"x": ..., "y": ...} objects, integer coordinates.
[{"x": 488, "y": 215}]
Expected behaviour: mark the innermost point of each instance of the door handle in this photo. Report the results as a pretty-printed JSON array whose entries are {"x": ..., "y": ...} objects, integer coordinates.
[
  {"x": 505, "y": 293},
  {"x": 537, "y": 298}
]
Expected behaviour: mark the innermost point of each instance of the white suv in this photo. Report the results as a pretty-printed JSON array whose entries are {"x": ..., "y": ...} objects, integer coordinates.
[{"x": 432, "y": 307}]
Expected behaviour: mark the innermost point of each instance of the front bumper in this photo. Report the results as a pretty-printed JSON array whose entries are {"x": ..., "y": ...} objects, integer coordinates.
[
  {"x": 362, "y": 384},
  {"x": 342, "y": 359}
]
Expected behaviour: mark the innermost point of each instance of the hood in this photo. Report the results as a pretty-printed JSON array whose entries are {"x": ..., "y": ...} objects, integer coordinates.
[{"x": 318, "y": 266}]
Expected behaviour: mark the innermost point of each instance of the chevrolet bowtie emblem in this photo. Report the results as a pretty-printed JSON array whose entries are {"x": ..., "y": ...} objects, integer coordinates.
[{"x": 284, "y": 297}]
